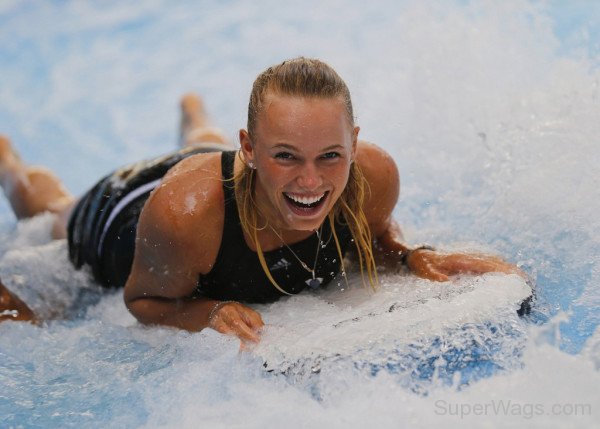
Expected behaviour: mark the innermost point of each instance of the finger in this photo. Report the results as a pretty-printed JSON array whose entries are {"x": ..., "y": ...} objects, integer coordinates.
[
  {"x": 426, "y": 271},
  {"x": 480, "y": 265},
  {"x": 236, "y": 331},
  {"x": 420, "y": 262},
  {"x": 244, "y": 332},
  {"x": 229, "y": 321},
  {"x": 468, "y": 265},
  {"x": 222, "y": 328},
  {"x": 253, "y": 319},
  {"x": 436, "y": 276},
  {"x": 250, "y": 317}
]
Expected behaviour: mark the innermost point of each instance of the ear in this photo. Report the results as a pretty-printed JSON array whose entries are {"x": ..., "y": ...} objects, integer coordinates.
[{"x": 246, "y": 145}]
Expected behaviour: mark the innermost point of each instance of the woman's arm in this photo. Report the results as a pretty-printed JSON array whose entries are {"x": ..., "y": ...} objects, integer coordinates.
[
  {"x": 433, "y": 265},
  {"x": 381, "y": 173},
  {"x": 174, "y": 246}
]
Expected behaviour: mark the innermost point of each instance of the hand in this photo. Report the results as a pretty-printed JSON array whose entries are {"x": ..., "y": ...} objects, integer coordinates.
[
  {"x": 233, "y": 318},
  {"x": 12, "y": 308},
  {"x": 439, "y": 266}
]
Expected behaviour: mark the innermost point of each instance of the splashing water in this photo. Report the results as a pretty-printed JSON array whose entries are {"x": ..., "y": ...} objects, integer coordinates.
[{"x": 490, "y": 109}]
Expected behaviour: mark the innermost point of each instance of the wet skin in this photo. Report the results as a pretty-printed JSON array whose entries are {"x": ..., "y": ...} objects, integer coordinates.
[{"x": 302, "y": 150}]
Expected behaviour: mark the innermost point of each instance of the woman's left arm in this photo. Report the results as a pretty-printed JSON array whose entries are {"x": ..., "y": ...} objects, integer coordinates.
[{"x": 381, "y": 173}]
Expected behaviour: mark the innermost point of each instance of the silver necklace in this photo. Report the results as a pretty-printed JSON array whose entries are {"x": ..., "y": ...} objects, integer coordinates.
[{"x": 315, "y": 281}]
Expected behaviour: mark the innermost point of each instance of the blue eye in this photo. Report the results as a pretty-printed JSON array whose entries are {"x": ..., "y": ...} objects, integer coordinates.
[
  {"x": 284, "y": 155},
  {"x": 331, "y": 155}
]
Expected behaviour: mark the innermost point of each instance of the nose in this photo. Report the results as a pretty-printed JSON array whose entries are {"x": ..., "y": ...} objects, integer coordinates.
[{"x": 310, "y": 177}]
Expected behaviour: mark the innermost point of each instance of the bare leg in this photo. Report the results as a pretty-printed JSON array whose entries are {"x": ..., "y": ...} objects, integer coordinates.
[
  {"x": 195, "y": 128},
  {"x": 33, "y": 190}
]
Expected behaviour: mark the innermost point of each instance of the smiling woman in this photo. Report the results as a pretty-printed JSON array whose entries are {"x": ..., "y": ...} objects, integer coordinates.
[
  {"x": 193, "y": 234},
  {"x": 308, "y": 144}
]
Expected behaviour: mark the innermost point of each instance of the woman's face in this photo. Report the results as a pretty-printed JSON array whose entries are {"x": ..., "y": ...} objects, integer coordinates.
[{"x": 302, "y": 150}]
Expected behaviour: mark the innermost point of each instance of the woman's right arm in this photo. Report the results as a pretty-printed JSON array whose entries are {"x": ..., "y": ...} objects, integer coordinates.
[{"x": 174, "y": 245}]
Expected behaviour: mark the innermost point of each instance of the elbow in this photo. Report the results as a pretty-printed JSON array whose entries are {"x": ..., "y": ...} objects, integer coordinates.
[
  {"x": 131, "y": 301},
  {"x": 145, "y": 311},
  {"x": 137, "y": 307},
  {"x": 135, "y": 300},
  {"x": 138, "y": 304}
]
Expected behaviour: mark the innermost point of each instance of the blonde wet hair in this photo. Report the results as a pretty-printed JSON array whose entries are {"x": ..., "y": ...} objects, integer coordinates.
[{"x": 311, "y": 78}]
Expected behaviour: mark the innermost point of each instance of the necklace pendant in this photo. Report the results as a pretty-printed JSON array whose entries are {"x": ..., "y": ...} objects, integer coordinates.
[{"x": 314, "y": 283}]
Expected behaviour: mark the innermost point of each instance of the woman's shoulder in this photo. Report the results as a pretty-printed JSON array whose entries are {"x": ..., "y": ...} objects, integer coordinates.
[
  {"x": 196, "y": 168},
  {"x": 183, "y": 217},
  {"x": 369, "y": 154},
  {"x": 381, "y": 173},
  {"x": 190, "y": 192},
  {"x": 378, "y": 167}
]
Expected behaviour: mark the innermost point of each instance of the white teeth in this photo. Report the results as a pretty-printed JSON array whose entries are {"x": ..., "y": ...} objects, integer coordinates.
[{"x": 306, "y": 200}]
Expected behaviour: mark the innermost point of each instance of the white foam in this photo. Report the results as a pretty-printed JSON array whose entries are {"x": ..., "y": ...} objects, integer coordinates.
[{"x": 38, "y": 270}]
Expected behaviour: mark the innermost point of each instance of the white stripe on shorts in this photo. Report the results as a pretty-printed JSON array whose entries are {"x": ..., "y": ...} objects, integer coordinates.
[{"x": 122, "y": 204}]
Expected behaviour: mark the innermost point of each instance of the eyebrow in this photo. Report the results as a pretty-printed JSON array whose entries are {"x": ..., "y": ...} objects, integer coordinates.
[{"x": 290, "y": 147}]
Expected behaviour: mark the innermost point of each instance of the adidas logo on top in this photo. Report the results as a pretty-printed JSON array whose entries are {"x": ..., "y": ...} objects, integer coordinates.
[{"x": 282, "y": 263}]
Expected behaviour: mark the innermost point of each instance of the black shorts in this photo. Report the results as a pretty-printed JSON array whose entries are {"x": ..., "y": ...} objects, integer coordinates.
[{"x": 103, "y": 225}]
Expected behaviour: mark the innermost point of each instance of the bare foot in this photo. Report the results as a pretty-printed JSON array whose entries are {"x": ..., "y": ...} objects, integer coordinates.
[
  {"x": 193, "y": 113},
  {"x": 12, "y": 308},
  {"x": 30, "y": 189},
  {"x": 194, "y": 123},
  {"x": 8, "y": 156}
]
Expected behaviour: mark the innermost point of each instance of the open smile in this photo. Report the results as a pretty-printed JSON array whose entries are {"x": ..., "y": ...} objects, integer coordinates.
[{"x": 304, "y": 205}]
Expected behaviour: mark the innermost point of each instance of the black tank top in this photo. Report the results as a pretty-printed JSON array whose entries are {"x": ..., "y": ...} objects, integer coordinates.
[{"x": 237, "y": 273}]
